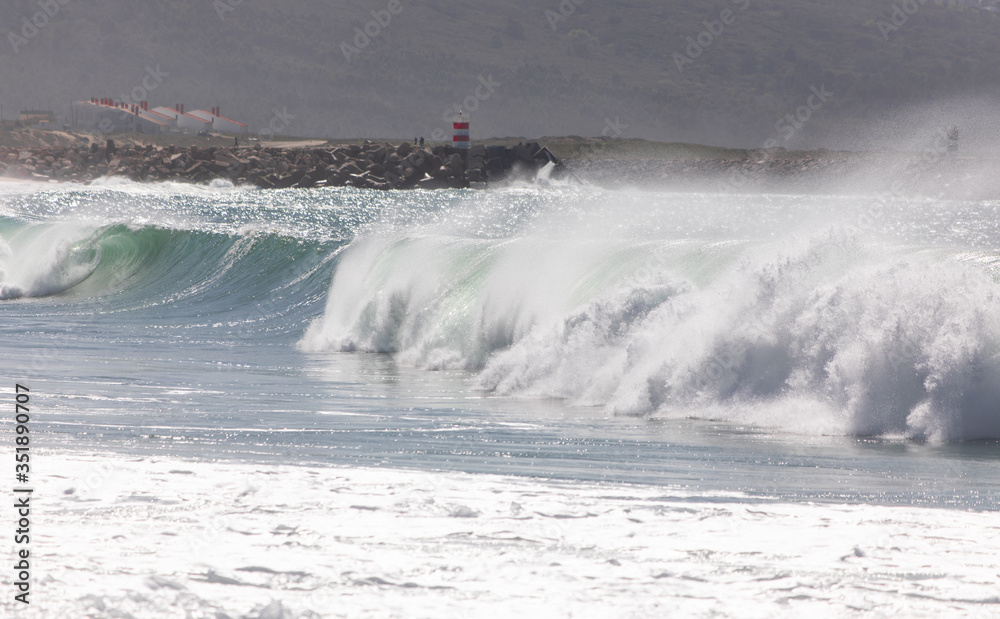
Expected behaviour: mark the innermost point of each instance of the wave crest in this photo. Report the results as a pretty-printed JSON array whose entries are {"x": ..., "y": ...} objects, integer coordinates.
[{"x": 44, "y": 260}]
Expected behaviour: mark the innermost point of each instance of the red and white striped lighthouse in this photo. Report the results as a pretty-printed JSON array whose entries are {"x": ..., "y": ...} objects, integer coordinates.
[{"x": 461, "y": 125}]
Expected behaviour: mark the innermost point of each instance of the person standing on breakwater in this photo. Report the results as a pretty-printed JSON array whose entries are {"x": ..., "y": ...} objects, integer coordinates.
[{"x": 421, "y": 142}]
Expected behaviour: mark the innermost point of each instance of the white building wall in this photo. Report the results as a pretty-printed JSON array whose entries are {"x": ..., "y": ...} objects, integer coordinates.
[
  {"x": 169, "y": 123},
  {"x": 184, "y": 121}
]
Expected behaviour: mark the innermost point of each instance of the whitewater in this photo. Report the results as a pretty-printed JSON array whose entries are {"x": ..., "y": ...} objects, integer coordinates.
[{"x": 550, "y": 400}]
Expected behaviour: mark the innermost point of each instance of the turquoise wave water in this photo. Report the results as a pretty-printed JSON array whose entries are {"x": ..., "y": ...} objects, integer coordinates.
[{"x": 149, "y": 272}]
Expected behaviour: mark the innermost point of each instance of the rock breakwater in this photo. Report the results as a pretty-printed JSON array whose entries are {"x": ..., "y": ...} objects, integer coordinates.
[{"x": 370, "y": 165}]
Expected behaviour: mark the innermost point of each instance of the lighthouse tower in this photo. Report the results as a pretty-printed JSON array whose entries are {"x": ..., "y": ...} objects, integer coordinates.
[{"x": 461, "y": 125}]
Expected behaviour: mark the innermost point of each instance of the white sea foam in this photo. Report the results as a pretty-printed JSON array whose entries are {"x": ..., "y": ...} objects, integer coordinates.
[
  {"x": 120, "y": 183},
  {"x": 116, "y": 537},
  {"x": 831, "y": 330}
]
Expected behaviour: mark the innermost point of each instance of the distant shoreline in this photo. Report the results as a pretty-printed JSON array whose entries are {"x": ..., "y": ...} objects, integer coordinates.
[{"x": 613, "y": 163}]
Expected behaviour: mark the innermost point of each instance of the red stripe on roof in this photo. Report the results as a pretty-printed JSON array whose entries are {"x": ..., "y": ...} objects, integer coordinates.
[
  {"x": 231, "y": 120},
  {"x": 208, "y": 113}
]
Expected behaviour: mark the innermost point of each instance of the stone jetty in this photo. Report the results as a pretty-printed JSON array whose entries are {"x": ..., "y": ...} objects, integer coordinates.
[{"x": 370, "y": 165}]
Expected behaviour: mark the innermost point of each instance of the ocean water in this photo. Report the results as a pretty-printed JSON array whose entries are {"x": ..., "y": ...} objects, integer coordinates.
[{"x": 529, "y": 401}]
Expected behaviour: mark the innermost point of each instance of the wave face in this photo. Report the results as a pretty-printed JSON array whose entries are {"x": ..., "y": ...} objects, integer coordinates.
[
  {"x": 800, "y": 313},
  {"x": 129, "y": 268},
  {"x": 206, "y": 262}
]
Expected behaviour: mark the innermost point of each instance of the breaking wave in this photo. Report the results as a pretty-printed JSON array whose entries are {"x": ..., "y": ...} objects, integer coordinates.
[{"x": 822, "y": 328}]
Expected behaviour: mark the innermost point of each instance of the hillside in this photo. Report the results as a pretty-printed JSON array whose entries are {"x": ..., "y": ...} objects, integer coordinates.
[{"x": 723, "y": 72}]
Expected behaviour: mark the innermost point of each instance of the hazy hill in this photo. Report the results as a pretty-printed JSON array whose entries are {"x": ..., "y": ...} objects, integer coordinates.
[{"x": 541, "y": 68}]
